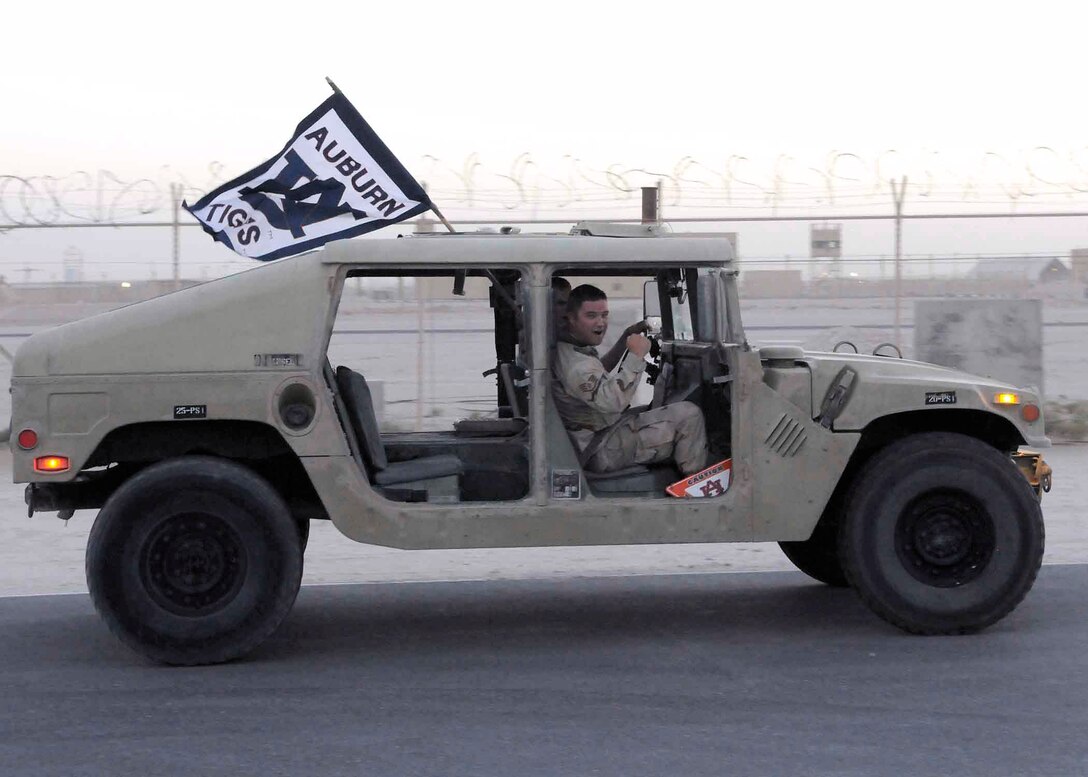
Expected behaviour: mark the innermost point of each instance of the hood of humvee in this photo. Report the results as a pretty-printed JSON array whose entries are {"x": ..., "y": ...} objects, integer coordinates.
[
  {"x": 884, "y": 369},
  {"x": 887, "y": 386}
]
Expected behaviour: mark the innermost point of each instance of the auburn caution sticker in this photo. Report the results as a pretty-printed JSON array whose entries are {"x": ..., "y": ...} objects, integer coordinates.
[{"x": 712, "y": 481}]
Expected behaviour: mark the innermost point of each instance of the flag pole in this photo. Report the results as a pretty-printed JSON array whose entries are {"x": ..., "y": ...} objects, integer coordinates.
[
  {"x": 441, "y": 218},
  {"x": 434, "y": 207}
]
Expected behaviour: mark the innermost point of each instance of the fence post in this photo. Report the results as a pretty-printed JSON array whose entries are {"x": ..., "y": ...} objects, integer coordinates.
[
  {"x": 175, "y": 195},
  {"x": 898, "y": 191},
  {"x": 420, "y": 284}
]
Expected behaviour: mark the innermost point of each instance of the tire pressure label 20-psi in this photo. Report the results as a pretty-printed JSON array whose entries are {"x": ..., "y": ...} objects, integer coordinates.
[{"x": 940, "y": 397}]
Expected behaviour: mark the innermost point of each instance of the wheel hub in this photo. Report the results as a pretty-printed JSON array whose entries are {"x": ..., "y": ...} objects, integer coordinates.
[
  {"x": 945, "y": 538},
  {"x": 193, "y": 564}
]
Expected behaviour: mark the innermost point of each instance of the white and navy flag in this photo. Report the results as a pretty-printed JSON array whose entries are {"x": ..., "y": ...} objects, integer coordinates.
[{"x": 334, "y": 179}]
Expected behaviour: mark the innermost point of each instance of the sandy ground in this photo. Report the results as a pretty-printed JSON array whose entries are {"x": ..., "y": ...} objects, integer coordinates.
[{"x": 43, "y": 555}]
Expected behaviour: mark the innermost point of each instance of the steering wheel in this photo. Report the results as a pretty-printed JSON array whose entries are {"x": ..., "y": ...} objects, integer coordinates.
[{"x": 658, "y": 371}]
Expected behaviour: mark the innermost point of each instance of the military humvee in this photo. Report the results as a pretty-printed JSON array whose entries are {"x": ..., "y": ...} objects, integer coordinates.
[{"x": 209, "y": 427}]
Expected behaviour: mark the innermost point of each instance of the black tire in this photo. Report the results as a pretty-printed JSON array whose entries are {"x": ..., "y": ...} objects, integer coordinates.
[
  {"x": 818, "y": 556},
  {"x": 941, "y": 534},
  {"x": 194, "y": 560},
  {"x": 303, "y": 525}
]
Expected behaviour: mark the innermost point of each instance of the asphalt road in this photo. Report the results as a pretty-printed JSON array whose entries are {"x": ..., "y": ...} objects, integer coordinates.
[{"x": 737, "y": 674}]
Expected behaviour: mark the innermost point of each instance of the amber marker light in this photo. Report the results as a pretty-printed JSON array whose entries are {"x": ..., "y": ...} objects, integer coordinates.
[
  {"x": 1030, "y": 413},
  {"x": 1006, "y": 398},
  {"x": 51, "y": 464},
  {"x": 27, "y": 439}
]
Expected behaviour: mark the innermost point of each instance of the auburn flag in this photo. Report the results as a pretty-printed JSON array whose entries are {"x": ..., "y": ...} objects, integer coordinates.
[{"x": 334, "y": 179}]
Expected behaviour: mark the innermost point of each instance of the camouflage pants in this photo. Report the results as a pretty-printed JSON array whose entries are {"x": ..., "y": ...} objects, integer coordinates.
[{"x": 675, "y": 431}]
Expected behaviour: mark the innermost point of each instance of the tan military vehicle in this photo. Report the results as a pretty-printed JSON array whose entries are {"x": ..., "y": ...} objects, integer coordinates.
[{"x": 209, "y": 427}]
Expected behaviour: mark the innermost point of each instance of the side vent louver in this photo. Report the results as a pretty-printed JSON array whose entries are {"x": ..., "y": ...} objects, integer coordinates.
[{"x": 786, "y": 437}]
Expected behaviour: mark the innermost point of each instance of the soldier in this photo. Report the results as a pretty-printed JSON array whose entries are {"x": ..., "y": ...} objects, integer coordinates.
[
  {"x": 560, "y": 295},
  {"x": 593, "y": 396}
]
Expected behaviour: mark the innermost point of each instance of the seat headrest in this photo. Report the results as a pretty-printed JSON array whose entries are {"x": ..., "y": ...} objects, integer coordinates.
[{"x": 356, "y": 396}]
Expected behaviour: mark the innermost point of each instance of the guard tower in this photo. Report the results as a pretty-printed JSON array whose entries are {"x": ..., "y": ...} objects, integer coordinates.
[{"x": 825, "y": 242}]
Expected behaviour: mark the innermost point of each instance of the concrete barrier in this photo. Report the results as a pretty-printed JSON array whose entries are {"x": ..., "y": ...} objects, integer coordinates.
[{"x": 996, "y": 338}]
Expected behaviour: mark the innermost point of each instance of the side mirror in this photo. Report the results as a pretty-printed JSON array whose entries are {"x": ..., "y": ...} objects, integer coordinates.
[{"x": 651, "y": 303}]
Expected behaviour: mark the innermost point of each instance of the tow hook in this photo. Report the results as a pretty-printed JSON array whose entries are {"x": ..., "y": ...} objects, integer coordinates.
[
  {"x": 1038, "y": 473},
  {"x": 37, "y": 501}
]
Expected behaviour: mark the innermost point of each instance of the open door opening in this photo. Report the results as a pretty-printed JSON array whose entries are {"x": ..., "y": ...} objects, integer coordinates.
[
  {"x": 429, "y": 372},
  {"x": 679, "y": 310}
]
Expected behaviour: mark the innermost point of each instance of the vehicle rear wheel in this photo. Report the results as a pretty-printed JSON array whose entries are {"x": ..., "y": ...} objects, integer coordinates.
[
  {"x": 818, "y": 556},
  {"x": 942, "y": 534},
  {"x": 194, "y": 560}
]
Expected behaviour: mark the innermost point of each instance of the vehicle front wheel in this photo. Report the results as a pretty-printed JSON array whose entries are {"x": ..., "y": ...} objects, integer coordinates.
[
  {"x": 818, "y": 556},
  {"x": 941, "y": 535},
  {"x": 195, "y": 560}
]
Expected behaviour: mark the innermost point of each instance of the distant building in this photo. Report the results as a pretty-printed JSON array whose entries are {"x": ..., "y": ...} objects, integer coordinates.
[
  {"x": 104, "y": 292},
  {"x": 1078, "y": 258},
  {"x": 1031, "y": 269},
  {"x": 773, "y": 283}
]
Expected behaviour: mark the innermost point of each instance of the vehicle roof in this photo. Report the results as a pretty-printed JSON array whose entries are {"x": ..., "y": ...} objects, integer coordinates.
[{"x": 567, "y": 250}]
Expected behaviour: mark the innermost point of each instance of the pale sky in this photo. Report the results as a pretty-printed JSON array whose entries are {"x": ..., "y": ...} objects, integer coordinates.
[
  {"x": 131, "y": 86},
  {"x": 154, "y": 90}
]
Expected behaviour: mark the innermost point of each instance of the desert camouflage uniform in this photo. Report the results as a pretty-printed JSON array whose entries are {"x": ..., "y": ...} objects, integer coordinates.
[{"x": 591, "y": 399}]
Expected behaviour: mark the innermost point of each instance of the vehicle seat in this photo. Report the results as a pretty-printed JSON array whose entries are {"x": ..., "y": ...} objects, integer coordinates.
[
  {"x": 356, "y": 395},
  {"x": 490, "y": 427},
  {"x": 636, "y": 479}
]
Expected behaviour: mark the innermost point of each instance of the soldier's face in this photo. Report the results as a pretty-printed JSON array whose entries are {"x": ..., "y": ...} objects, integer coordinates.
[
  {"x": 560, "y": 295},
  {"x": 589, "y": 323}
]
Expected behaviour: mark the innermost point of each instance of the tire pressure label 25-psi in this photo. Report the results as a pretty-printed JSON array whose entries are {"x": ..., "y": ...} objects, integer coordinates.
[
  {"x": 190, "y": 411},
  {"x": 277, "y": 360},
  {"x": 940, "y": 397}
]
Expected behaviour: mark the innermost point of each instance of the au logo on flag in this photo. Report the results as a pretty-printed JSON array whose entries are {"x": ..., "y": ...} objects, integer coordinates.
[{"x": 334, "y": 179}]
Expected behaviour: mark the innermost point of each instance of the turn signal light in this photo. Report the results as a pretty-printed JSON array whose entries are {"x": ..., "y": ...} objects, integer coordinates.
[
  {"x": 27, "y": 439},
  {"x": 1007, "y": 398},
  {"x": 51, "y": 464},
  {"x": 1030, "y": 413}
]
